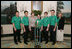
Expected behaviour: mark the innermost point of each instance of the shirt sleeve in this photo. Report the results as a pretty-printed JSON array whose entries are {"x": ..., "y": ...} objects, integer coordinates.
[
  {"x": 48, "y": 20},
  {"x": 12, "y": 20},
  {"x": 41, "y": 21},
  {"x": 20, "y": 19},
  {"x": 36, "y": 22},
  {"x": 56, "y": 19}
]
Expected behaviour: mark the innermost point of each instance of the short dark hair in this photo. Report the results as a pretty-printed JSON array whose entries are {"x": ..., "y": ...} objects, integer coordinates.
[
  {"x": 17, "y": 11},
  {"x": 46, "y": 12},
  {"x": 25, "y": 11},
  {"x": 53, "y": 10}
]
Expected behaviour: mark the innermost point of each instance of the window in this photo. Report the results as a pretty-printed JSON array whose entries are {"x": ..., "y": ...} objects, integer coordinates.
[
  {"x": 37, "y": 5},
  {"x": 8, "y": 9}
]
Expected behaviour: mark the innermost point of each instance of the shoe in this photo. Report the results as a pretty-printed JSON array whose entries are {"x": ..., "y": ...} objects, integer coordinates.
[
  {"x": 16, "y": 43},
  {"x": 41, "y": 41},
  {"x": 53, "y": 43},
  {"x": 20, "y": 42},
  {"x": 26, "y": 43},
  {"x": 46, "y": 42}
]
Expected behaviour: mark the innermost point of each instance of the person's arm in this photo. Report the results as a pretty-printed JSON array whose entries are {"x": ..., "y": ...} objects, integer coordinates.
[
  {"x": 55, "y": 27},
  {"x": 14, "y": 26},
  {"x": 23, "y": 25},
  {"x": 55, "y": 24},
  {"x": 41, "y": 24},
  {"x": 47, "y": 28},
  {"x": 41, "y": 27},
  {"x": 30, "y": 24},
  {"x": 24, "y": 28},
  {"x": 13, "y": 23},
  {"x": 48, "y": 24}
]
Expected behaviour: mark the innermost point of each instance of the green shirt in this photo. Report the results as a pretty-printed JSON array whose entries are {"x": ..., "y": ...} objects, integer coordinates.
[
  {"x": 25, "y": 20},
  {"x": 53, "y": 20},
  {"x": 17, "y": 22},
  {"x": 39, "y": 23},
  {"x": 58, "y": 20},
  {"x": 45, "y": 21}
]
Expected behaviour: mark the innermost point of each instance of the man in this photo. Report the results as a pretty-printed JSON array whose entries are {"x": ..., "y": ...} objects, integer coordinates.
[
  {"x": 53, "y": 25},
  {"x": 25, "y": 22},
  {"x": 45, "y": 26},
  {"x": 16, "y": 21}
]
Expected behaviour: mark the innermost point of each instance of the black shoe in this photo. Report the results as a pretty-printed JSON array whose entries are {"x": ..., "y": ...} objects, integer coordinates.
[
  {"x": 46, "y": 42},
  {"x": 53, "y": 43},
  {"x": 26, "y": 43},
  {"x": 20, "y": 42},
  {"x": 16, "y": 43},
  {"x": 41, "y": 41}
]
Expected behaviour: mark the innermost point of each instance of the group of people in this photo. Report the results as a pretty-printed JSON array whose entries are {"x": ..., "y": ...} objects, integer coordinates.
[{"x": 53, "y": 24}]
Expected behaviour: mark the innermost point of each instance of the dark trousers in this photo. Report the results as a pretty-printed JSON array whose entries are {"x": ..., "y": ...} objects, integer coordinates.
[
  {"x": 52, "y": 34},
  {"x": 25, "y": 34},
  {"x": 45, "y": 33},
  {"x": 17, "y": 35},
  {"x": 38, "y": 34},
  {"x": 32, "y": 33}
]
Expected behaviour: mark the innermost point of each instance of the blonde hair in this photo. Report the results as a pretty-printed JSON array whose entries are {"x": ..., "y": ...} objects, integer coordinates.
[{"x": 60, "y": 13}]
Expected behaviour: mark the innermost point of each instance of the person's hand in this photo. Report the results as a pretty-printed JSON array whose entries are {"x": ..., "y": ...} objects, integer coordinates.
[
  {"x": 15, "y": 29},
  {"x": 54, "y": 29},
  {"x": 41, "y": 29},
  {"x": 21, "y": 28},
  {"x": 60, "y": 30},
  {"x": 30, "y": 29},
  {"x": 24, "y": 30},
  {"x": 47, "y": 29}
]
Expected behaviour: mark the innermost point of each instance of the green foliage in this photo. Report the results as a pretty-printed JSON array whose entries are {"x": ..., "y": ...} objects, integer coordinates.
[
  {"x": 59, "y": 6},
  {"x": 37, "y": 12}
]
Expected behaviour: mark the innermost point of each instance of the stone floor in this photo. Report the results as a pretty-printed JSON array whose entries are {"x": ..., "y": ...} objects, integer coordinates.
[{"x": 7, "y": 42}]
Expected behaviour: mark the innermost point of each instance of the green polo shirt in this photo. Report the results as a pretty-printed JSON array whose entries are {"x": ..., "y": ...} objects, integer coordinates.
[
  {"x": 53, "y": 20},
  {"x": 39, "y": 23},
  {"x": 17, "y": 22},
  {"x": 45, "y": 21},
  {"x": 25, "y": 21}
]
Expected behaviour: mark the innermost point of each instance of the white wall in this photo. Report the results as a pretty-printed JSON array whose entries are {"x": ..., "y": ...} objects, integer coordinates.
[
  {"x": 26, "y": 5},
  {"x": 48, "y": 5}
]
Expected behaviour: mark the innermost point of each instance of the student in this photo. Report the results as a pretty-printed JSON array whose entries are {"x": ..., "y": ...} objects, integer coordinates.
[
  {"x": 53, "y": 25},
  {"x": 25, "y": 22},
  {"x": 60, "y": 30},
  {"x": 45, "y": 26},
  {"x": 16, "y": 21},
  {"x": 38, "y": 25},
  {"x": 32, "y": 20}
]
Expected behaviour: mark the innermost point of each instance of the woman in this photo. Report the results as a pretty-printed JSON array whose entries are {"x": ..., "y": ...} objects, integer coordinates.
[
  {"x": 38, "y": 24},
  {"x": 60, "y": 31},
  {"x": 32, "y": 20}
]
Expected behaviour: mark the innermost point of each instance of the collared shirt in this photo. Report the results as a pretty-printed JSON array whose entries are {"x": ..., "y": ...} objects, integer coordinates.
[
  {"x": 39, "y": 23},
  {"x": 53, "y": 20},
  {"x": 45, "y": 21},
  {"x": 17, "y": 22},
  {"x": 32, "y": 21},
  {"x": 25, "y": 20}
]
